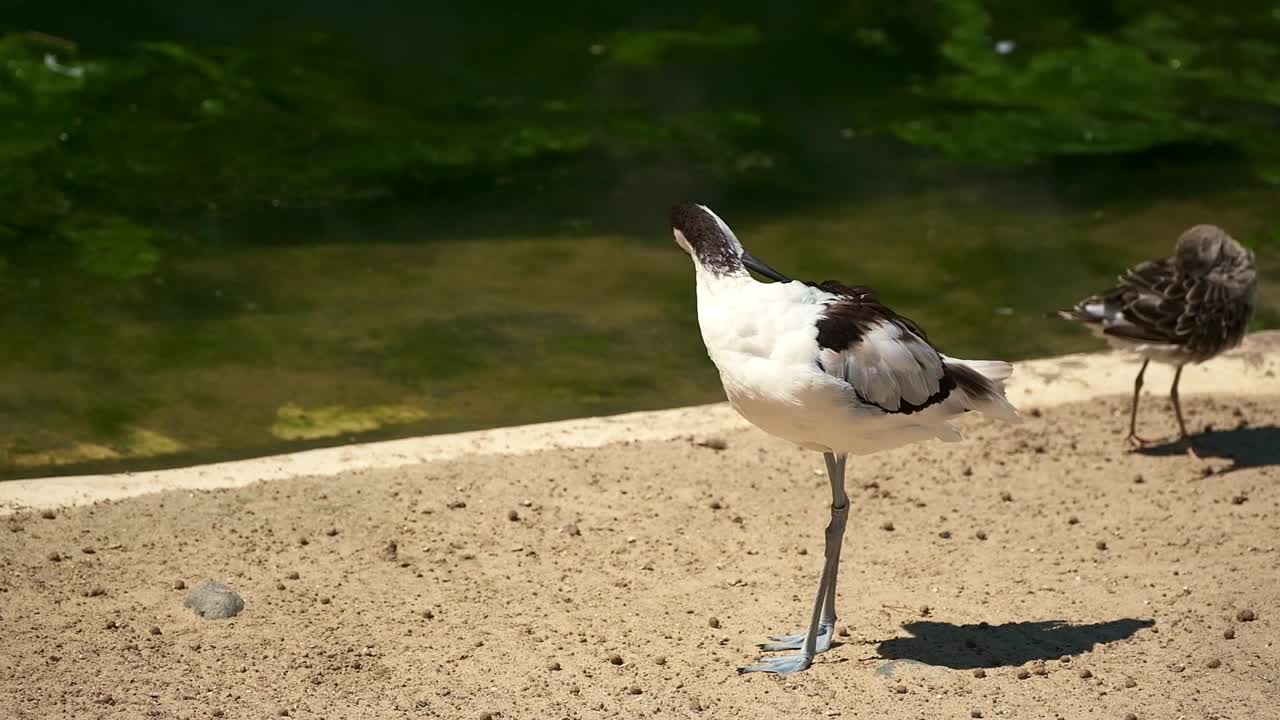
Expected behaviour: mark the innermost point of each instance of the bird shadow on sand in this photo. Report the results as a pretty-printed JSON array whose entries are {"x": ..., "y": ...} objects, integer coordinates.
[
  {"x": 1247, "y": 447},
  {"x": 964, "y": 647}
]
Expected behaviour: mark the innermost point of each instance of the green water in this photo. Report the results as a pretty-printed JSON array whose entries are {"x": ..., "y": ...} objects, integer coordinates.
[{"x": 237, "y": 231}]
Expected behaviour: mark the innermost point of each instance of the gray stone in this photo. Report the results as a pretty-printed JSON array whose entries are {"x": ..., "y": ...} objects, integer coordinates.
[{"x": 214, "y": 601}]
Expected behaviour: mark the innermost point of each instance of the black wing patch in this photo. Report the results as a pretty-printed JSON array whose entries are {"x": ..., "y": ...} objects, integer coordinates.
[
  {"x": 898, "y": 370},
  {"x": 1161, "y": 302}
]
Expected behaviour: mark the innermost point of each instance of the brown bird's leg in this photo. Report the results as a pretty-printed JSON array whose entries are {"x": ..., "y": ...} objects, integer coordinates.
[
  {"x": 1133, "y": 438},
  {"x": 1177, "y": 411}
]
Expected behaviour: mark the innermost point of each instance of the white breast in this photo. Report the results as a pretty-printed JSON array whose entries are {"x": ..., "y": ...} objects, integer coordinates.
[{"x": 763, "y": 339}]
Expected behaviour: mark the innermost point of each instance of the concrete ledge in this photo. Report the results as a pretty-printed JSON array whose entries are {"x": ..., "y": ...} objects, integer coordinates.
[{"x": 1253, "y": 369}]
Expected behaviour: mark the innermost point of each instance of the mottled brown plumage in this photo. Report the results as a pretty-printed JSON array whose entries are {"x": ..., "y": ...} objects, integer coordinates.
[{"x": 1178, "y": 310}]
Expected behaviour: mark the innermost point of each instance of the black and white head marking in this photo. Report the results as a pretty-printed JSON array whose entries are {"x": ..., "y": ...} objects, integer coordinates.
[
  {"x": 713, "y": 245},
  {"x": 701, "y": 233}
]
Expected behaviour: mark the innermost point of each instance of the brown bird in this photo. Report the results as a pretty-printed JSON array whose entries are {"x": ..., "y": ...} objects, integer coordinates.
[{"x": 1178, "y": 310}]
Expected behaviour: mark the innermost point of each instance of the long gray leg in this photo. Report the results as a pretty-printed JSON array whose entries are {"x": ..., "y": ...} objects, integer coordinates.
[
  {"x": 1177, "y": 406},
  {"x": 839, "y": 517},
  {"x": 1133, "y": 411},
  {"x": 822, "y": 623},
  {"x": 1177, "y": 411}
]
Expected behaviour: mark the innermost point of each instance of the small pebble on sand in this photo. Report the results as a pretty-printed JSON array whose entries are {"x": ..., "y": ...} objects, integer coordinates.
[
  {"x": 633, "y": 690},
  {"x": 714, "y": 443},
  {"x": 981, "y": 534},
  {"x": 945, "y": 534},
  {"x": 1085, "y": 674},
  {"x": 1229, "y": 633},
  {"x": 1073, "y": 520},
  {"x": 324, "y": 600},
  {"x": 512, "y": 515},
  {"x": 900, "y": 689},
  {"x": 1246, "y": 615},
  {"x": 713, "y": 622},
  {"x": 1023, "y": 674},
  {"x": 1239, "y": 500},
  {"x": 1040, "y": 669},
  {"x": 154, "y": 630},
  {"x": 486, "y": 716},
  {"x": 280, "y": 586},
  {"x": 96, "y": 591},
  {"x": 331, "y": 532},
  {"x": 975, "y": 713},
  {"x": 88, "y": 550},
  {"x": 571, "y": 530},
  {"x": 214, "y": 601},
  {"x": 1130, "y": 683},
  {"x": 615, "y": 658},
  {"x": 1213, "y": 663},
  {"x": 1101, "y": 545},
  {"x": 55, "y": 557},
  {"x": 48, "y": 515},
  {"x": 660, "y": 660},
  {"x": 887, "y": 525},
  {"x": 1130, "y": 716},
  {"x": 553, "y": 666},
  {"x": 1006, "y": 496},
  {"x": 979, "y": 673},
  {"x": 292, "y": 575}
]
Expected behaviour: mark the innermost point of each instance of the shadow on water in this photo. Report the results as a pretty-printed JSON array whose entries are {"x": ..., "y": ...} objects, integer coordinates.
[
  {"x": 1249, "y": 447},
  {"x": 963, "y": 647}
]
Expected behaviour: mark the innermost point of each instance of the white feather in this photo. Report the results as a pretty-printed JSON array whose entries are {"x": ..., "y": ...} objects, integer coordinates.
[{"x": 763, "y": 339}]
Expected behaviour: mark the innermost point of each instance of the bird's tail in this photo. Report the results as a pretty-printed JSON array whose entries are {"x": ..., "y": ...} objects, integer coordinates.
[
  {"x": 982, "y": 383},
  {"x": 1089, "y": 312}
]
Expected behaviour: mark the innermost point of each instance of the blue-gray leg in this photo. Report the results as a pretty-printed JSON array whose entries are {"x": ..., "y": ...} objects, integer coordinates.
[
  {"x": 823, "y": 620},
  {"x": 839, "y": 516}
]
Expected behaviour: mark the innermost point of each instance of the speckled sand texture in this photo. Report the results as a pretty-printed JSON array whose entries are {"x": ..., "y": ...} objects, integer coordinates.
[{"x": 1039, "y": 571}]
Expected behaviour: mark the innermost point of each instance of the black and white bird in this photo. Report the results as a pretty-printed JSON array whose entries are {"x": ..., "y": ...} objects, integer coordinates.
[
  {"x": 1177, "y": 310},
  {"x": 828, "y": 368}
]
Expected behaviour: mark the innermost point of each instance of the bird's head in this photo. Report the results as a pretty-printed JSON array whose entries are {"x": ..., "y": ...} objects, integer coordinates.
[
  {"x": 1209, "y": 249},
  {"x": 712, "y": 245}
]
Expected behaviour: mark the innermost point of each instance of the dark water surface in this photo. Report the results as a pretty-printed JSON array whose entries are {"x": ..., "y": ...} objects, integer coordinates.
[{"x": 241, "y": 229}]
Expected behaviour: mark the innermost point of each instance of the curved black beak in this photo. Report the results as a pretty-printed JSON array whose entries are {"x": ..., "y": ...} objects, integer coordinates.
[{"x": 755, "y": 265}]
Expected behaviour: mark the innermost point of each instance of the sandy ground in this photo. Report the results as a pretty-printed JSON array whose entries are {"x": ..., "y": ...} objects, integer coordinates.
[{"x": 630, "y": 580}]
